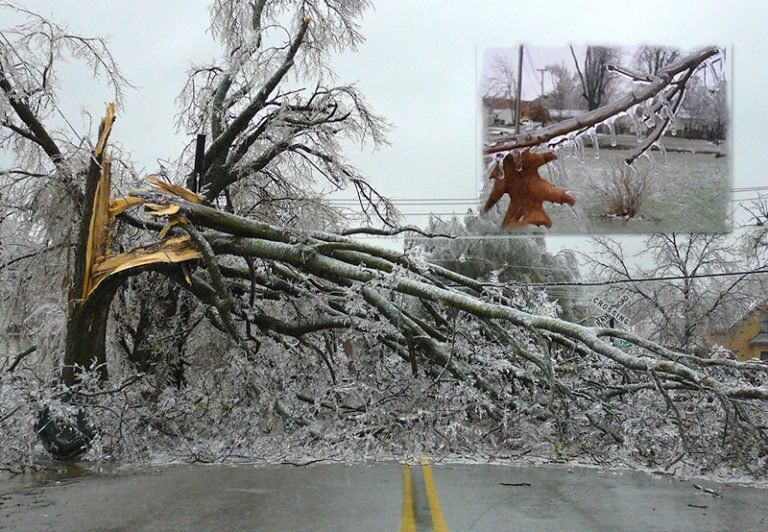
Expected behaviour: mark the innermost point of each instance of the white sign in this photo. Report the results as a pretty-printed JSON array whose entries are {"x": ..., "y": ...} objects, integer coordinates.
[{"x": 611, "y": 311}]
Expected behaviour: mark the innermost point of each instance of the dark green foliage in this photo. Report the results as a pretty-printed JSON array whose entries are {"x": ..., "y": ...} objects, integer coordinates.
[{"x": 520, "y": 258}]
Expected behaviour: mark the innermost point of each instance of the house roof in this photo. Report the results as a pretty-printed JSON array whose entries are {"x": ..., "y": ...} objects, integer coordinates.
[
  {"x": 760, "y": 339},
  {"x": 757, "y": 307},
  {"x": 503, "y": 103}
]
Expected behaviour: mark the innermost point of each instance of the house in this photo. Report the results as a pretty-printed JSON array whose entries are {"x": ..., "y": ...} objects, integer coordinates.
[
  {"x": 499, "y": 111},
  {"x": 748, "y": 337},
  {"x": 563, "y": 114}
]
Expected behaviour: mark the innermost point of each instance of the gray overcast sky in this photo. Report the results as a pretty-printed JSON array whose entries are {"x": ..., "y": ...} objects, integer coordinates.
[{"x": 419, "y": 68}]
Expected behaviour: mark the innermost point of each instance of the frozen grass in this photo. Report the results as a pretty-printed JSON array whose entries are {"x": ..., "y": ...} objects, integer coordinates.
[{"x": 692, "y": 194}]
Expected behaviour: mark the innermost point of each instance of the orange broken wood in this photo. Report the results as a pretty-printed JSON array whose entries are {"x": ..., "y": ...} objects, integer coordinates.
[
  {"x": 518, "y": 176},
  {"x": 98, "y": 233},
  {"x": 176, "y": 190},
  {"x": 172, "y": 250},
  {"x": 100, "y": 262},
  {"x": 121, "y": 205},
  {"x": 106, "y": 128},
  {"x": 155, "y": 209}
]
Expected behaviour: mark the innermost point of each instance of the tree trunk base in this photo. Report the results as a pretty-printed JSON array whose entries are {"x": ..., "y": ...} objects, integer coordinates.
[{"x": 64, "y": 439}]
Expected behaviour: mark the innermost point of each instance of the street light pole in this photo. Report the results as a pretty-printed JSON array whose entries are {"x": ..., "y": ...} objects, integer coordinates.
[{"x": 519, "y": 90}]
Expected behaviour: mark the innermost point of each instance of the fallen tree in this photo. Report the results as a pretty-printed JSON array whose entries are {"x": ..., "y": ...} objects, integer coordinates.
[{"x": 274, "y": 304}]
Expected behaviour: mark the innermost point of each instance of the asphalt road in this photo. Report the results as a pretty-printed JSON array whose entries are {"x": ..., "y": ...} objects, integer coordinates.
[{"x": 379, "y": 497}]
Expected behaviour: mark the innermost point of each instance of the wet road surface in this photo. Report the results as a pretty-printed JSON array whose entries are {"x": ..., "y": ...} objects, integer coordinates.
[{"x": 378, "y": 497}]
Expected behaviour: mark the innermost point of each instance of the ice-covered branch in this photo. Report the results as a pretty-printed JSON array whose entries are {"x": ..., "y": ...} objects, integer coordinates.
[{"x": 660, "y": 81}]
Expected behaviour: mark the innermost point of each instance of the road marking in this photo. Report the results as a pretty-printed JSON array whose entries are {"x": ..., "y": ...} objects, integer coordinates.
[
  {"x": 407, "y": 522},
  {"x": 438, "y": 521}
]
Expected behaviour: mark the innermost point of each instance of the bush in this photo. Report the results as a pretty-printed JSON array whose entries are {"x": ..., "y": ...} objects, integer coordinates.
[{"x": 624, "y": 188}]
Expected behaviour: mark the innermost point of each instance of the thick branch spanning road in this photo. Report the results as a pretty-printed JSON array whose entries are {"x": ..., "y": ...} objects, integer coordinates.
[
  {"x": 382, "y": 497},
  {"x": 341, "y": 259}
]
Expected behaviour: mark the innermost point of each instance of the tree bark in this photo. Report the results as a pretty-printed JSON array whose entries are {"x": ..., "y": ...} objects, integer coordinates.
[{"x": 87, "y": 332}]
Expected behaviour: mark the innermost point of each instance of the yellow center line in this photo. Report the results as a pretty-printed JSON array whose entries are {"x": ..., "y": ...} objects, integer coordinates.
[
  {"x": 438, "y": 521},
  {"x": 407, "y": 522}
]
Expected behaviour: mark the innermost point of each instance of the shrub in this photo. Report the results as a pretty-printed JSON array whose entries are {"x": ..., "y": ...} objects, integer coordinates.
[{"x": 624, "y": 188}]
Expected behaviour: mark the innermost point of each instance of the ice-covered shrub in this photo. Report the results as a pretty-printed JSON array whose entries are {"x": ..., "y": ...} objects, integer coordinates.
[{"x": 623, "y": 189}]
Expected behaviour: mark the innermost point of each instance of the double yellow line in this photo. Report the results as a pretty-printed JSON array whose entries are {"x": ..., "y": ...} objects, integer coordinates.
[{"x": 407, "y": 519}]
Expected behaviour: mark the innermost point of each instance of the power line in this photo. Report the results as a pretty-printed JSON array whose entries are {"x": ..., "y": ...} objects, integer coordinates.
[
  {"x": 505, "y": 265},
  {"x": 415, "y": 201},
  {"x": 624, "y": 281},
  {"x": 457, "y": 237},
  {"x": 749, "y": 189},
  {"x": 472, "y": 201}
]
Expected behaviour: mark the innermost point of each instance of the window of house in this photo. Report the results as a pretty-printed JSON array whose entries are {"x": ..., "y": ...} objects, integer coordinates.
[{"x": 764, "y": 355}]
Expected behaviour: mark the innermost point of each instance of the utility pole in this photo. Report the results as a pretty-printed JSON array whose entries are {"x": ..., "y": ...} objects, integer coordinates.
[
  {"x": 194, "y": 182},
  {"x": 542, "y": 70},
  {"x": 519, "y": 90}
]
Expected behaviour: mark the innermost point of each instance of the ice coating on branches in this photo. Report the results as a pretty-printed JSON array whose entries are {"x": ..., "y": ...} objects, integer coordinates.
[
  {"x": 561, "y": 162},
  {"x": 558, "y": 165},
  {"x": 665, "y": 105},
  {"x": 647, "y": 154},
  {"x": 595, "y": 142},
  {"x": 572, "y": 144},
  {"x": 632, "y": 113},
  {"x": 611, "y": 129},
  {"x": 554, "y": 172},
  {"x": 649, "y": 116},
  {"x": 632, "y": 169},
  {"x": 578, "y": 147}
]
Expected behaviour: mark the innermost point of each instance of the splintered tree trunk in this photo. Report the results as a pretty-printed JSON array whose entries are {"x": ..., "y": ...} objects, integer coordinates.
[{"x": 87, "y": 320}]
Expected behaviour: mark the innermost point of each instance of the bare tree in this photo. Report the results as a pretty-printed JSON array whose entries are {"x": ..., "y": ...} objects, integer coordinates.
[
  {"x": 651, "y": 59},
  {"x": 685, "y": 305},
  {"x": 706, "y": 108},
  {"x": 564, "y": 91},
  {"x": 595, "y": 76},
  {"x": 503, "y": 80}
]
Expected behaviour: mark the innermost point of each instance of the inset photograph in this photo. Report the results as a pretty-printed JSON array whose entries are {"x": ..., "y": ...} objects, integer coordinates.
[{"x": 606, "y": 139}]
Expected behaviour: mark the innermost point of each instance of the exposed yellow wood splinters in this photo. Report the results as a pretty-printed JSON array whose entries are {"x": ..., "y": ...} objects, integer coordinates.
[
  {"x": 98, "y": 237},
  {"x": 121, "y": 205},
  {"x": 172, "y": 250},
  {"x": 173, "y": 221},
  {"x": 154, "y": 209},
  {"x": 106, "y": 127},
  {"x": 99, "y": 262},
  {"x": 176, "y": 190}
]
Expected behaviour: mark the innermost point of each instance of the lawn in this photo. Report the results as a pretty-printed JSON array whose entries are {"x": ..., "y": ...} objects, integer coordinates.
[{"x": 690, "y": 189}]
